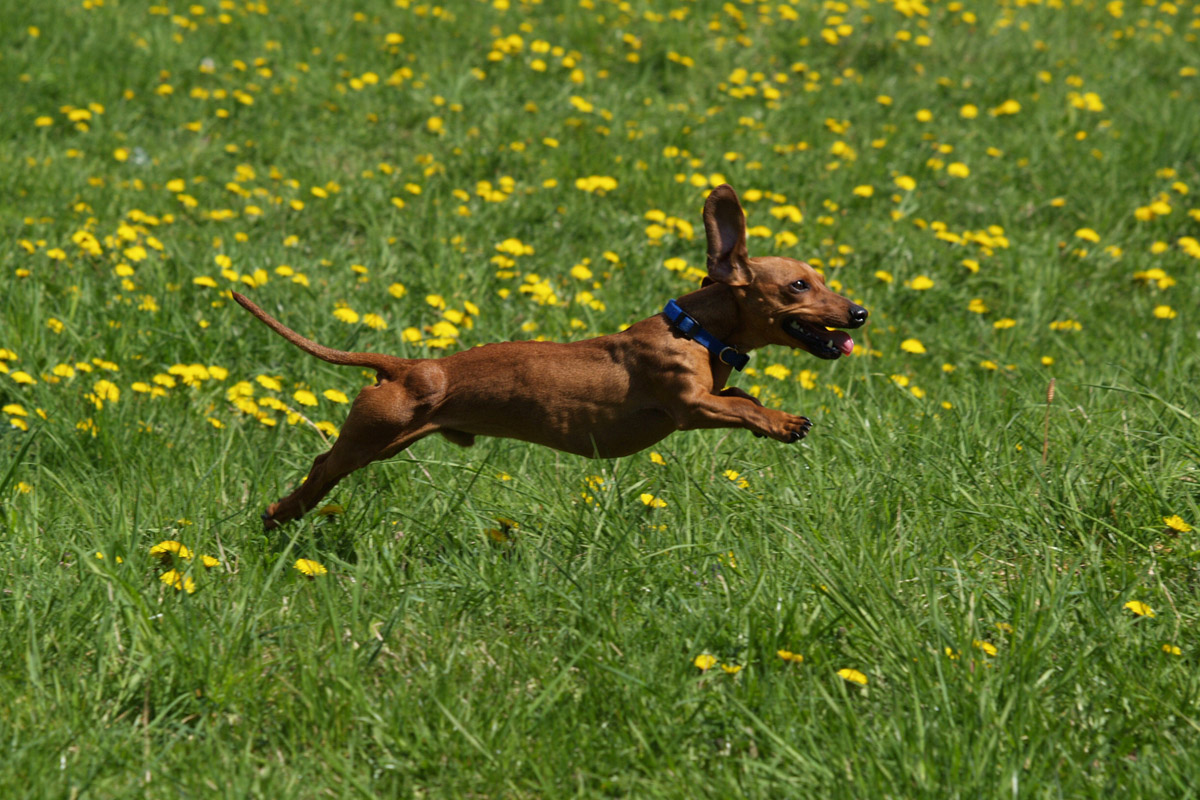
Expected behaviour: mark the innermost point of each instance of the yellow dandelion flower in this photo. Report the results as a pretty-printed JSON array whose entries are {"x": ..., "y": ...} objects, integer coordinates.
[
  {"x": 912, "y": 346},
  {"x": 1007, "y": 108},
  {"x": 704, "y": 661},
  {"x": 731, "y": 669},
  {"x": 853, "y": 676},
  {"x": 986, "y": 647},
  {"x": 1174, "y": 522},
  {"x": 347, "y": 315},
  {"x": 209, "y": 562},
  {"x": 107, "y": 390},
  {"x": 178, "y": 581},
  {"x": 305, "y": 398},
  {"x": 921, "y": 283},
  {"x": 1139, "y": 608},
  {"x": 1172, "y": 650},
  {"x": 1165, "y": 312},
  {"x": 1087, "y": 234},
  {"x": 651, "y": 501},
  {"x": 309, "y": 568},
  {"x": 165, "y": 550}
]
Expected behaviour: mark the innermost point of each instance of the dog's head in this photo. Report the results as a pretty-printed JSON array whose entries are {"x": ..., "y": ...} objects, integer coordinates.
[{"x": 781, "y": 301}]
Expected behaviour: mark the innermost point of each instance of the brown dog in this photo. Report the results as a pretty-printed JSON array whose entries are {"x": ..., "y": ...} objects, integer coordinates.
[{"x": 603, "y": 397}]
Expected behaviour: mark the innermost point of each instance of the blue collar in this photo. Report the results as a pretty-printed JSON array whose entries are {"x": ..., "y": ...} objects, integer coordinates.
[{"x": 691, "y": 329}]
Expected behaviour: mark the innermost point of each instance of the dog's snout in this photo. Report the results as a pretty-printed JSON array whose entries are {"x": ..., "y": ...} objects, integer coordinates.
[{"x": 858, "y": 314}]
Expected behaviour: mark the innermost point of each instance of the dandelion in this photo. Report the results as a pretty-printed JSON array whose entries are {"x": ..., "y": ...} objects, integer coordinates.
[
  {"x": 178, "y": 581},
  {"x": 168, "y": 549},
  {"x": 651, "y": 501},
  {"x": 1007, "y": 108},
  {"x": 736, "y": 477},
  {"x": 309, "y": 568},
  {"x": 209, "y": 562},
  {"x": 1172, "y": 650},
  {"x": 704, "y": 661},
  {"x": 1176, "y": 523},
  {"x": 1139, "y": 608},
  {"x": 106, "y": 390},
  {"x": 305, "y": 398},
  {"x": 921, "y": 283},
  {"x": 731, "y": 669},
  {"x": 912, "y": 346},
  {"x": 1165, "y": 312},
  {"x": 596, "y": 184},
  {"x": 986, "y": 647},
  {"x": 852, "y": 676},
  {"x": 777, "y": 371},
  {"x": 788, "y": 655},
  {"x": 1087, "y": 234}
]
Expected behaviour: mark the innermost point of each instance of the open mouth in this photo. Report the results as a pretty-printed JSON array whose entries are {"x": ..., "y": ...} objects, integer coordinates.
[{"x": 818, "y": 340}]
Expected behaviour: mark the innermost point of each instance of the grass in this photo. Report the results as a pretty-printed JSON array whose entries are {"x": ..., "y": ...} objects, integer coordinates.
[{"x": 510, "y": 621}]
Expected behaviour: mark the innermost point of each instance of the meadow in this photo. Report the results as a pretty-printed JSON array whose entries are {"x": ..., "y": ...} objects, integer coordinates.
[{"x": 977, "y": 577}]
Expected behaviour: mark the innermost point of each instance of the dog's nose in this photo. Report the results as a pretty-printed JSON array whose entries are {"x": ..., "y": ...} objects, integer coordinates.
[{"x": 858, "y": 314}]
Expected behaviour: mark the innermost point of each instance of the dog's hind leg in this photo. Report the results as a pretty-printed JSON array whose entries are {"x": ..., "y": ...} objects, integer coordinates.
[
  {"x": 385, "y": 419},
  {"x": 344, "y": 457}
]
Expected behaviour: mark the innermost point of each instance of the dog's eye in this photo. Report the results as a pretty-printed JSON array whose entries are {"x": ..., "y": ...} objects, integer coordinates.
[{"x": 799, "y": 286}]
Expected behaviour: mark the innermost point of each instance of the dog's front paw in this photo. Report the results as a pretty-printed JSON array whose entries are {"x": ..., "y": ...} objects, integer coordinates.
[{"x": 793, "y": 429}]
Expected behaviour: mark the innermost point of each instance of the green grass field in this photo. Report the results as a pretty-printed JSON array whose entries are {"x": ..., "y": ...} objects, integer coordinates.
[{"x": 954, "y": 587}]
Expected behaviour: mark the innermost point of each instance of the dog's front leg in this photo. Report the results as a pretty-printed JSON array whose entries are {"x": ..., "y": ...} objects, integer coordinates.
[{"x": 733, "y": 408}]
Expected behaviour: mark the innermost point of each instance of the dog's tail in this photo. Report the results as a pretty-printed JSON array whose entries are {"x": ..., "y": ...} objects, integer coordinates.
[{"x": 387, "y": 366}]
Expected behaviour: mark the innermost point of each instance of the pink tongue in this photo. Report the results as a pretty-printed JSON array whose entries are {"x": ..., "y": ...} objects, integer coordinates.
[{"x": 842, "y": 341}]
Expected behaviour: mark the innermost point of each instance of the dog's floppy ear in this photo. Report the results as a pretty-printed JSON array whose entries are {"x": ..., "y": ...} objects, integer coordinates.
[{"x": 725, "y": 225}]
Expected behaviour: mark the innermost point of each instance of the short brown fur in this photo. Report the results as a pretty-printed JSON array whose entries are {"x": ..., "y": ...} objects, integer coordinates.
[{"x": 605, "y": 397}]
